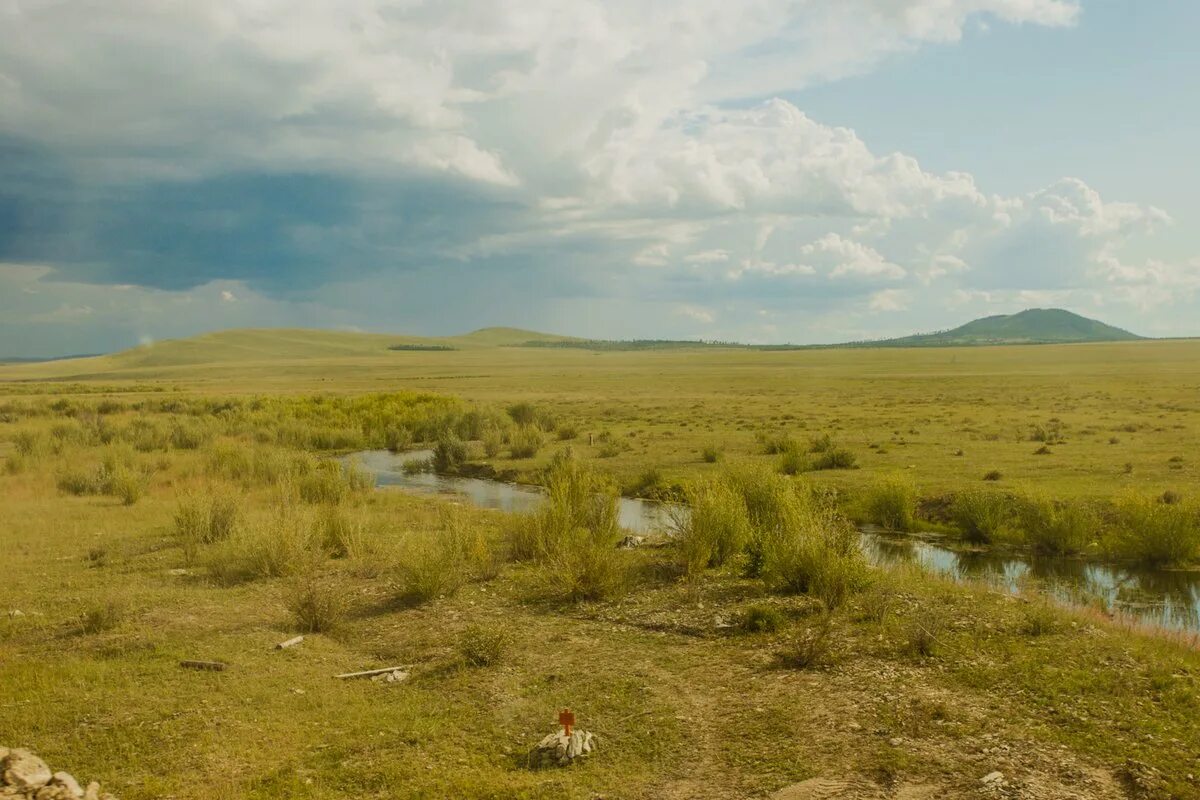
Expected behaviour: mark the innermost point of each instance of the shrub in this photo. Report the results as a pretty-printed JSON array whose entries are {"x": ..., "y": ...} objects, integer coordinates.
[
  {"x": 1153, "y": 533},
  {"x": 126, "y": 485},
  {"x": 1056, "y": 528},
  {"x": 317, "y": 604},
  {"x": 30, "y": 444},
  {"x": 716, "y": 528},
  {"x": 100, "y": 617},
  {"x": 776, "y": 444},
  {"x": 450, "y": 453},
  {"x": 992, "y": 475},
  {"x": 877, "y": 603},
  {"x": 761, "y": 619},
  {"x": 333, "y": 482},
  {"x": 921, "y": 635},
  {"x": 835, "y": 458},
  {"x": 339, "y": 535},
  {"x": 815, "y": 552},
  {"x": 189, "y": 437},
  {"x": 281, "y": 545},
  {"x": 711, "y": 454},
  {"x": 567, "y": 432},
  {"x": 526, "y": 441},
  {"x": 493, "y": 442},
  {"x": 793, "y": 462},
  {"x": 820, "y": 444},
  {"x": 892, "y": 504},
  {"x": 813, "y": 647},
  {"x": 437, "y": 563},
  {"x": 574, "y": 534},
  {"x": 983, "y": 517},
  {"x": 522, "y": 413},
  {"x": 483, "y": 646},
  {"x": 1170, "y": 498},
  {"x": 76, "y": 481},
  {"x": 1039, "y": 618}
]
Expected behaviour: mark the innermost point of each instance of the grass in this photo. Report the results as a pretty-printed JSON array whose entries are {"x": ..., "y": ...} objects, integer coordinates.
[
  {"x": 684, "y": 709},
  {"x": 1155, "y": 533},
  {"x": 892, "y": 504},
  {"x": 484, "y": 646},
  {"x": 715, "y": 531},
  {"x": 983, "y": 517}
]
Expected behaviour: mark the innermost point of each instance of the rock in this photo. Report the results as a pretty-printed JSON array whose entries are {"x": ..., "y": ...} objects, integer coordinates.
[
  {"x": 24, "y": 770},
  {"x": 995, "y": 779},
  {"x": 93, "y": 791},
  {"x": 559, "y": 750},
  {"x": 895, "y": 741},
  {"x": 631, "y": 541},
  {"x": 395, "y": 676},
  {"x": 68, "y": 782}
]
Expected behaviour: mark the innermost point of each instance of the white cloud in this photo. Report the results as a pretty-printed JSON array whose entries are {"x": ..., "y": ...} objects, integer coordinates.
[
  {"x": 696, "y": 313},
  {"x": 850, "y": 259},
  {"x": 889, "y": 300}
]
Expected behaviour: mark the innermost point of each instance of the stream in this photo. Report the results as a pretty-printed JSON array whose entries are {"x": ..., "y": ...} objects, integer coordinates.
[{"x": 1169, "y": 598}]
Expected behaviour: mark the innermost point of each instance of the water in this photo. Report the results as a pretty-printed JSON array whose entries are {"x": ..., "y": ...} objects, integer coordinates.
[{"x": 1170, "y": 598}]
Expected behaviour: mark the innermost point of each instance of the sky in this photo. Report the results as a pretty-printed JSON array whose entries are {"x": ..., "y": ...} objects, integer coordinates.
[{"x": 761, "y": 171}]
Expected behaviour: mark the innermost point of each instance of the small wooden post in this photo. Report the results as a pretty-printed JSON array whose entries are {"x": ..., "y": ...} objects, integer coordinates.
[{"x": 566, "y": 718}]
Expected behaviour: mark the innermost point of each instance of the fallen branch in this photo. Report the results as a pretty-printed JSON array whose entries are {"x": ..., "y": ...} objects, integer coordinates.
[
  {"x": 289, "y": 643},
  {"x": 368, "y": 673},
  {"x": 211, "y": 666}
]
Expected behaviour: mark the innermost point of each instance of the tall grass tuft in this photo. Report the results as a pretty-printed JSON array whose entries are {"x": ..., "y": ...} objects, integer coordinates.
[
  {"x": 437, "y": 563},
  {"x": 1056, "y": 528},
  {"x": 1153, "y": 533},
  {"x": 525, "y": 441},
  {"x": 318, "y": 604},
  {"x": 892, "y": 504},
  {"x": 983, "y": 517},
  {"x": 574, "y": 534},
  {"x": 716, "y": 528}
]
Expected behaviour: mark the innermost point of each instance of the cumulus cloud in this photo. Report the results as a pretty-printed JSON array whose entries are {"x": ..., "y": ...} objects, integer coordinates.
[{"x": 298, "y": 161}]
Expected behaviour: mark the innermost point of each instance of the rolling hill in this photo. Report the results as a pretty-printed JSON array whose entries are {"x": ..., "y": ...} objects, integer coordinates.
[{"x": 1032, "y": 326}]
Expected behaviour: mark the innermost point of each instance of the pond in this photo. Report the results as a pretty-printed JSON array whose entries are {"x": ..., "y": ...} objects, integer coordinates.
[{"x": 1170, "y": 598}]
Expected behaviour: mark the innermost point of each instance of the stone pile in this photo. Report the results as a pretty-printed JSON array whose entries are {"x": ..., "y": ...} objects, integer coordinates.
[
  {"x": 559, "y": 750},
  {"x": 24, "y": 775}
]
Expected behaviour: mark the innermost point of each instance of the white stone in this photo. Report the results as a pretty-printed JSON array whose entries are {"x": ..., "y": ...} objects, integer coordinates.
[
  {"x": 993, "y": 778},
  {"x": 68, "y": 782},
  {"x": 24, "y": 770}
]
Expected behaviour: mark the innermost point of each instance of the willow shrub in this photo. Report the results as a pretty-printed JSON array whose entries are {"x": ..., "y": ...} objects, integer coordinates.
[{"x": 714, "y": 530}]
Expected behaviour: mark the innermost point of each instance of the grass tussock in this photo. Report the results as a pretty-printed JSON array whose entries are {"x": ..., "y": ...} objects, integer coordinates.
[
  {"x": 484, "y": 645},
  {"x": 317, "y": 603},
  {"x": 714, "y": 530},
  {"x": 813, "y": 647},
  {"x": 1056, "y": 528},
  {"x": 437, "y": 563},
  {"x": 1154, "y": 533},
  {"x": 983, "y": 517},
  {"x": 761, "y": 618},
  {"x": 574, "y": 535},
  {"x": 892, "y": 504},
  {"x": 281, "y": 544},
  {"x": 101, "y": 616}
]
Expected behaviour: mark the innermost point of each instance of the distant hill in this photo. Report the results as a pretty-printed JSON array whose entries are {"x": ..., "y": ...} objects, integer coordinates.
[{"x": 1032, "y": 326}]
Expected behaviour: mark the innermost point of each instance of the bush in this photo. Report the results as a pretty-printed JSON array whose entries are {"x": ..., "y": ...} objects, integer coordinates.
[
  {"x": 567, "y": 432},
  {"x": 992, "y": 475},
  {"x": 761, "y": 619},
  {"x": 526, "y": 441},
  {"x": 921, "y": 635},
  {"x": 574, "y": 534},
  {"x": 835, "y": 458},
  {"x": 1040, "y": 619},
  {"x": 892, "y": 504},
  {"x": 450, "y": 453},
  {"x": 493, "y": 442},
  {"x": 813, "y": 647},
  {"x": 792, "y": 462},
  {"x": 281, "y": 545},
  {"x": 983, "y": 517},
  {"x": 522, "y": 413},
  {"x": 339, "y": 535},
  {"x": 333, "y": 482},
  {"x": 100, "y": 617},
  {"x": 126, "y": 485},
  {"x": 716, "y": 528},
  {"x": 1153, "y": 533},
  {"x": 1056, "y": 528},
  {"x": 437, "y": 563},
  {"x": 483, "y": 647},
  {"x": 317, "y": 604},
  {"x": 77, "y": 482},
  {"x": 814, "y": 552},
  {"x": 711, "y": 454}
]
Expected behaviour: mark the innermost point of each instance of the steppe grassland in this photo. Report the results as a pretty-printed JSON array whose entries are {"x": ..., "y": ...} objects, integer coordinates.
[{"x": 916, "y": 665}]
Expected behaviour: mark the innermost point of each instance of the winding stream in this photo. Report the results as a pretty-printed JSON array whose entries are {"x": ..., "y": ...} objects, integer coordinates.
[{"x": 1170, "y": 598}]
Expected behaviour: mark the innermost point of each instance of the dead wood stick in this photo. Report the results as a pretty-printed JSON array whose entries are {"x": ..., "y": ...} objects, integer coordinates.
[
  {"x": 211, "y": 666},
  {"x": 289, "y": 643},
  {"x": 368, "y": 673}
]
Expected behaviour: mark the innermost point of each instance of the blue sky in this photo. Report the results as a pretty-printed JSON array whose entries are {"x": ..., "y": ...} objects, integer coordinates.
[{"x": 775, "y": 170}]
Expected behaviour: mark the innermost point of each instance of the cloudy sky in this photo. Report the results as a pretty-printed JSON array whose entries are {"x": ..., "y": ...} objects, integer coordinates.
[{"x": 759, "y": 170}]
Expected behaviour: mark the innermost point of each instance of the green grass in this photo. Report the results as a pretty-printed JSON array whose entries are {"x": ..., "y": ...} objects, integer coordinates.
[{"x": 645, "y": 658}]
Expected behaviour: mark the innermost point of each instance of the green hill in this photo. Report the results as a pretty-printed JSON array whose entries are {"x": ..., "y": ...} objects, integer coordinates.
[{"x": 1032, "y": 326}]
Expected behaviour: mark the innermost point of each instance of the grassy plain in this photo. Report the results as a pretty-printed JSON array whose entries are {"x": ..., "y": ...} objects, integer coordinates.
[{"x": 912, "y": 688}]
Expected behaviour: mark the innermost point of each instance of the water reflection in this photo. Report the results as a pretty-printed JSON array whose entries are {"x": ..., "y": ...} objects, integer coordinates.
[{"x": 1164, "y": 597}]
